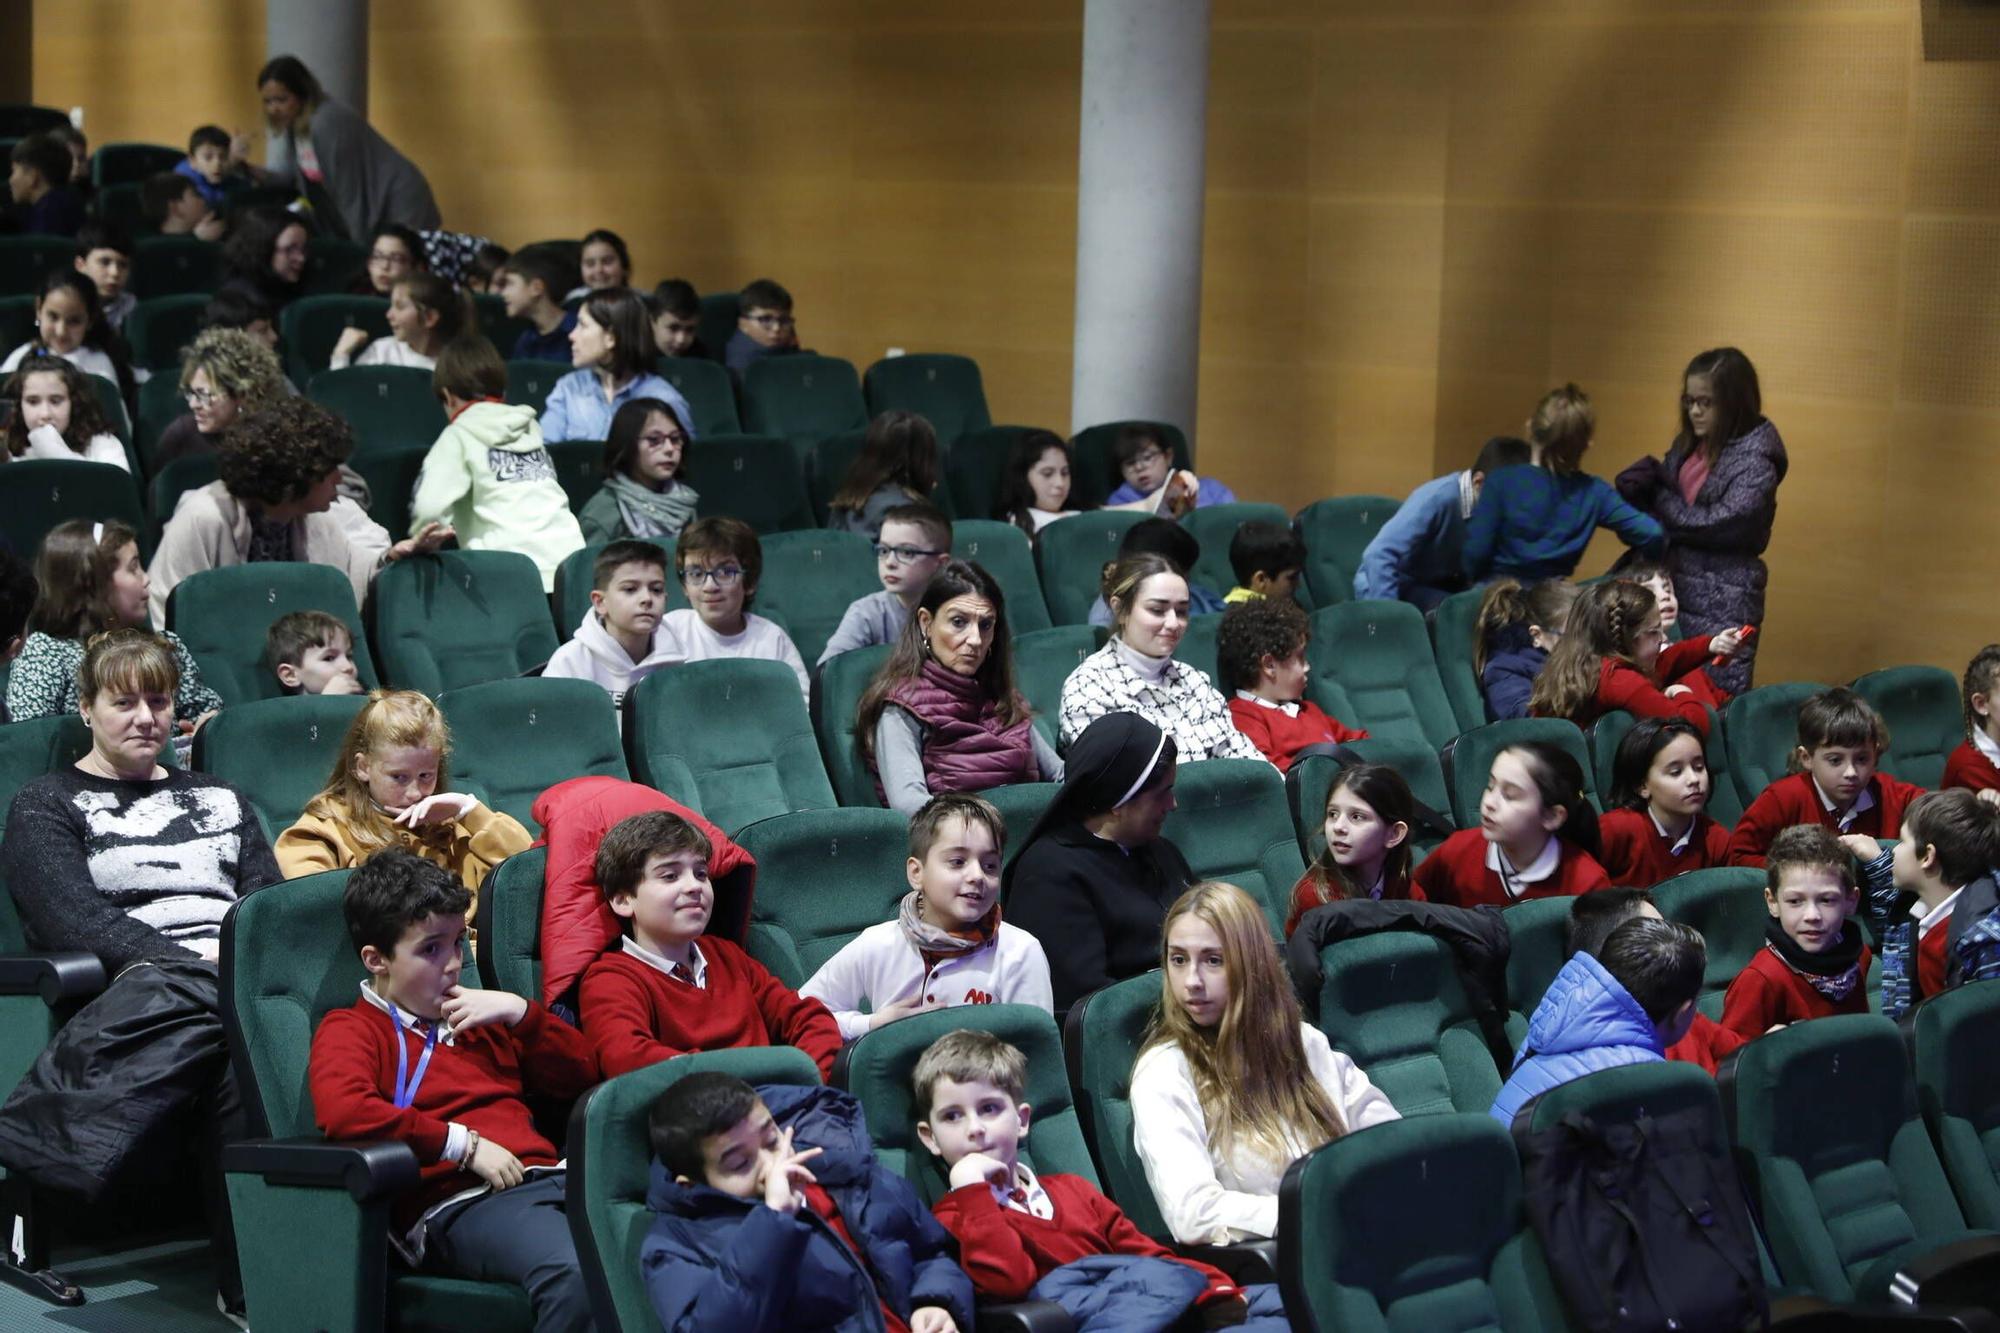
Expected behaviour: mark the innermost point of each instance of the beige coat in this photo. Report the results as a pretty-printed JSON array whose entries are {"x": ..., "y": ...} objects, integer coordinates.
[{"x": 210, "y": 529}]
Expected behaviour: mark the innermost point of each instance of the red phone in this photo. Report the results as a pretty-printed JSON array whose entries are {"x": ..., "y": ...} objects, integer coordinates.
[{"x": 1748, "y": 632}]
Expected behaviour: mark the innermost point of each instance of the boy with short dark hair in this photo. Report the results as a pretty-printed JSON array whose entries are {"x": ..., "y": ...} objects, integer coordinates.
[
  {"x": 719, "y": 562},
  {"x": 44, "y": 201},
  {"x": 1418, "y": 556},
  {"x": 172, "y": 206},
  {"x": 1814, "y": 961},
  {"x": 1933, "y": 897},
  {"x": 623, "y": 637},
  {"x": 764, "y": 326},
  {"x": 531, "y": 285},
  {"x": 1013, "y": 1227},
  {"x": 1625, "y": 1004},
  {"x": 1260, "y": 655},
  {"x": 446, "y": 1070},
  {"x": 1146, "y": 461},
  {"x": 915, "y": 541},
  {"x": 1592, "y": 918},
  {"x": 770, "y": 1213},
  {"x": 104, "y": 255},
  {"x": 1267, "y": 559},
  {"x": 311, "y": 652},
  {"x": 675, "y": 308},
  {"x": 206, "y": 165},
  {"x": 669, "y": 988}
]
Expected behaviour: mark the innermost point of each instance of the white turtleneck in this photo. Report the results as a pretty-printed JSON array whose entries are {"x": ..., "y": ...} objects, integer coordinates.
[{"x": 1152, "y": 670}]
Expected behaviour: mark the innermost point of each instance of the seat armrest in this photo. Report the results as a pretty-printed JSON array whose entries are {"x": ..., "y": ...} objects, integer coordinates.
[
  {"x": 1965, "y": 1272},
  {"x": 367, "y": 1171},
  {"x": 1811, "y": 1314},
  {"x": 1247, "y": 1262},
  {"x": 56, "y": 977},
  {"x": 1025, "y": 1317}
]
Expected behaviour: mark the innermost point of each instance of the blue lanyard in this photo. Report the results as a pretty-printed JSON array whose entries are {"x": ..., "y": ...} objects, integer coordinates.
[{"x": 406, "y": 1086}]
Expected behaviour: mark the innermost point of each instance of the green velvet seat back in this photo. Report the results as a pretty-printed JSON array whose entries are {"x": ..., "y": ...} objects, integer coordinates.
[
  {"x": 460, "y": 618},
  {"x": 224, "y": 616},
  {"x": 823, "y": 877},
  {"x": 1372, "y": 668},
  {"x": 1394, "y": 1003},
  {"x": 1232, "y": 824}
]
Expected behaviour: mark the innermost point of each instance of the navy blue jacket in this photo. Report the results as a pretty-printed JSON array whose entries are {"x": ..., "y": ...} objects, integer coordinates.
[
  {"x": 713, "y": 1261},
  {"x": 1508, "y": 679},
  {"x": 1586, "y": 1022}
]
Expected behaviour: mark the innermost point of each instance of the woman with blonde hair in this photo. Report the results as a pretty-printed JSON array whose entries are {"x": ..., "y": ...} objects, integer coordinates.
[
  {"x": 386, "y": 789},
  {"x": 225, "y": 373},
  {"x": 1231, "y": 1085}
]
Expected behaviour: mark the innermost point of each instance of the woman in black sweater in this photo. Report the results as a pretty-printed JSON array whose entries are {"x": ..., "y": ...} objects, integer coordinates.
[{"x": 1094, "y": 878}]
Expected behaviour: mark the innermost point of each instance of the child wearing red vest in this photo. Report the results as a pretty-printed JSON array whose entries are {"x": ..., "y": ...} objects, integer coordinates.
[
  {"x": 1612, "y": 656},
  {"x": 1833, "y": 783},
  {"x": 1537, "y": 836},
  {"x": 1813, "y": 962},
  {"x": 1260, "y": 655},
  {"x": 1975, "y": 764},
  {"x": 668, "y": 988},
  {"x": 1661, "y": 785}
]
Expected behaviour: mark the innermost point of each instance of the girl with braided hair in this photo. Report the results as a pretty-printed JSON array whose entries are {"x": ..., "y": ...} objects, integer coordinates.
[{"x": 1613, "y": 655}]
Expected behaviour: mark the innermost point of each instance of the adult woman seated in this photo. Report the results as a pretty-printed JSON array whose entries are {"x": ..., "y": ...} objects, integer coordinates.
[
  {"x": 136, "y": 863},
  {"x": 942, "y": 715},
  {"x": 278, "y": 499},
  {"x": 265, "y": 258},
  {"x": 225, "y": 373},
  {"x": 1135, "y": 671},
  {"x": 1094, "y": 877}
]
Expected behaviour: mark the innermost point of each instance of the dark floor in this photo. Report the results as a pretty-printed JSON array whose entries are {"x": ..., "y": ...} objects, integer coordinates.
[{"x": 166, "y": 1288}]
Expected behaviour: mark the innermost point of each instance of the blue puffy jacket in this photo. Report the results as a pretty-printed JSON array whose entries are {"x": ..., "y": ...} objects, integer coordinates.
[
  {"x": 1508, "y": 680},
  {"x": 1585, "y": 1023},
  {"x": 715, "y": 1261}
]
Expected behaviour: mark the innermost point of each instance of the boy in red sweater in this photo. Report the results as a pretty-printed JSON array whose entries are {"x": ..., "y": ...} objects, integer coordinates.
[
  {"x": 1833, "y": 783},
  {"x": 425, "y": 1062},
  {"x": 668, "y": 988},
  {"x": 1013, "y": 1227},
  {"x": 1260, "y": 654},
  {"x": 1975, "y": 764},
  {"x": 1592, "y": 918},
  {"x": 1813, "y": 962}
]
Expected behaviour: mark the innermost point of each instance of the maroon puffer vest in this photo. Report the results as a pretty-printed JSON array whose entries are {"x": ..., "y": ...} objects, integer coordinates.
[{"x": 965, "y": 746}]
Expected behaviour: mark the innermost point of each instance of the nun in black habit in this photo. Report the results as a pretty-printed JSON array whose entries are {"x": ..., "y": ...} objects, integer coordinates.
[{"x": 1094, "y": 878}]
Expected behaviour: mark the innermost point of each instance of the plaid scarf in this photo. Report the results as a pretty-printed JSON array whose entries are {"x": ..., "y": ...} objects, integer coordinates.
[
  {"x": 1834, "y": 972},
  {"x": 935, "y": 943}
]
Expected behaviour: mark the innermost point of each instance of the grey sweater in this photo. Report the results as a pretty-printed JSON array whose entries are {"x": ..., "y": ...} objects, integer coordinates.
[{"x": 877, "y": 618}]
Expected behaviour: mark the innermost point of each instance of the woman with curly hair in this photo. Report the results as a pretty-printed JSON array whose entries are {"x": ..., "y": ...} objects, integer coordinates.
[
  {"x": 278, "y": 499},
  {"x": 265, "y": 256},
  {"x": 225, "y": 373}
]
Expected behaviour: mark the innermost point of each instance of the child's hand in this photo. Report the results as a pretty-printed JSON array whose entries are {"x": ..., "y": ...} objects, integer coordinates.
[
  {"x": 889, "y": 1013},
  {"x": 786, "y": 1174},
  {"x": 465, "y": 1009},
  {"x": 210, "y": 228},
  {"x": 977, "y": 1166},
  {"x": 1673, "y": 690},
  {"x": 1726, "y": 644},
  {"x": 932, "y": 1319},
  {"x": 239, "y": 148},
  {"x": 351, "y": 341},
  {"x": 433, "y": 536},
  {"x": 495, "y": 1165},
  {"x": 438, "y": 809},
  {"x": 1860, "y": 846},
  {"x": 345, "y": 685},
  {"x": 1181, "y": 489}
]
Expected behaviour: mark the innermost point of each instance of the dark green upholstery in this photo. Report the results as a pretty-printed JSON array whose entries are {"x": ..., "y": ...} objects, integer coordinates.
[
  {"x": 277, "y": 752},
  {"x": 1197, "y": 649},
  {"x": 1394, "y": 1003},
  {"x": 756, "y": 478},
  {"x": 314, "y": 1258},
  {"x": 1726, "y": 904},
  {"x": 122, "y": 206},
  {"x": 131, "y": 163},
  {"x": 837, "y": 690},
  {"x": 17, "y": 313},
  {"x": 1386, "y": 1231},
  {"x": 510, "y": 924},
  {"x": 1214, "y": 527},
  {"x": 719, "y": 313},
  {"x": 189, "y": 472},
  {"x": 730, "y": 738},
  {"x": 1020, "y": 804},
  {"x": 1074, "y": 552},
  {"x": 579, "y": 468},
  {"x": 36, "y": 494},
  {"x": 1763, "y": 727},
  {"x": 1601, "y": 737},
  {"x": 1469, "y": 759},
  {"x": 495, "y": 324},
  {"x": 458, "y": 618},
  {"x": 1336, "y": 532},
  {"x": 392, "y": 475},
  {"x": 710, "y": 393},
  {"x": 26, "y": 260},
  {"x": 1003, "y": 550},
  {"x": 511, "y": 740},
  {"x": 1101, "y": 1038},
  {"x": 158, "y": 329},
  {"x": 311, "y": 325},
  {"x": 1925, "y": 717},
  {"x": 224, "y": 615},
  {"x": 1043, "y": 661},
  {"x": 174, "y": 266},
  {"x": 802, "y": 397},
  {"x": 879, "y": 1066},
  {"x": 1725, "y": 803},
  {"x": 1836, "y": 1157},
  {"x": 1372, "y": 668},
  {"x": 1538, "y": 935},
  {"x": 1307, "y": 782},
  {"x": 1311, "y": 777},
  {"x": 823, "y": 877},
  {"x": 810, "y": 578},
  {"x": 33, "y": 747},
  {"x": 1094, "y": 472},
  {"x": 825, "y": 462},
  {"x": 1232, "y": 824},
  {"x": 1958, "y": 1090},
  {"x": 529, "y": 382},
  {"x": 944, "y": 390},
  {"x": 610, "y": 1158},
  {"x": 975, "y": 466},
  {"x": 333, "y": 263},
  {"x": 160, "y": 402},
  {"x": 390, "y": 407},
  {"x": 1454, "y": 644}
]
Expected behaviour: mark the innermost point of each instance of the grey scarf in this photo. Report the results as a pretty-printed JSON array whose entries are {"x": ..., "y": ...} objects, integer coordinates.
[{"x": 650, "y": 513}]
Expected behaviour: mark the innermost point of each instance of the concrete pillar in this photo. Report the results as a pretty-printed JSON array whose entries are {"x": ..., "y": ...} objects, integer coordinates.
[
  {"x": 331, "y": 36},
  {"x": 1140, "y": 177}
]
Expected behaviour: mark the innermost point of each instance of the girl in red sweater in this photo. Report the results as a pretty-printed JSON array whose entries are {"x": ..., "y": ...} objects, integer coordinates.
[
  {"x": 1369, "y": 813},
  {"x": 1612, "y": 655},
  {"x": 1975, "y": 764},
  {"x": 1833, "y": 782},
  {"x": 1260, "y": 652},
  {"x": 1813, "y": 962},
  {"x": 1660, "y": 785},
  {"x": 1537, "y": 836}
]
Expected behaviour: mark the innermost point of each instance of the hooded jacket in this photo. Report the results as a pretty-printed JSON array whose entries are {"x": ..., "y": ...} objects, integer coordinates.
[
  {"x": 593, "y": 654},
  {"x": 712, "y": 1260},
  {"x": 489, "y": 476},
  {"x": 1586, "y": 1022}
]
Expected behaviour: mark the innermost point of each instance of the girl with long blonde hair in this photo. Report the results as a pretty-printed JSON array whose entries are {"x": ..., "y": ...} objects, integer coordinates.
[{"x": 1231, "y": 1085}]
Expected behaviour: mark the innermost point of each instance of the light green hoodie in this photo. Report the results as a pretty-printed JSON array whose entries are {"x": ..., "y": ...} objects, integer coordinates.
[{"x": 490, "y": 477}]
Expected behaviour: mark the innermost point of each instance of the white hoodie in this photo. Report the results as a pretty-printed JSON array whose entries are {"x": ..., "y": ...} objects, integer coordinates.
[
  {"x": 594, "y": 655},
  {"x": 489, "y": 476}
]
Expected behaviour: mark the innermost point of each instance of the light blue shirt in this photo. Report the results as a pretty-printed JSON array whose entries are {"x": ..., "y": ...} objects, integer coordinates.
[
  {"x": 1422, "y": 543},
  {"x": 576, "y": 409}
]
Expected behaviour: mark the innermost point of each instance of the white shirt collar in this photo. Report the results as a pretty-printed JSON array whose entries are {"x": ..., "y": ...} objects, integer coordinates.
[
  {"x": 1152, "y": 670},
  {"x": 1986, "y": 745},
  {"x": 1036, "y": 1204},
  {"x": 1928, "y": 917},
  {"x": 406, "y": 1020},
  {"x": 1862, "y": 803},
  {"x": 659, "y": 964},
  {"x": 1680, "y": 843},
  {"x": 1516, "y": 882},
  {"x": 1289, "y": 710}
]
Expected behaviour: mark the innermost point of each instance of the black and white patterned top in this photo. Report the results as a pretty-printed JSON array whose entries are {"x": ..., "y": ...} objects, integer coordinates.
[
  {"x": 1181, "y": 702},
  {"x": 43, "y": 681}
]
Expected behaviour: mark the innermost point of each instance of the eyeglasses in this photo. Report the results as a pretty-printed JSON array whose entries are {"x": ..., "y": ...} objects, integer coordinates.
[
  {"x": 393, "y": 257},
  {"x": 902, "y": 555},
  {"x": 771, "y": 321},
  {"x": 203, "y": 397},
  {"x": 1692, "y": 402},
  {"x": 1146, "y": 458},
  {"x": 657, "y": 438},
  {"x": 724, "y": 576}
]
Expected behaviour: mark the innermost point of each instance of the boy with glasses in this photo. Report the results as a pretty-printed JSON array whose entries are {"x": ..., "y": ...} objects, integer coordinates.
[
  {"x": 915, "y": 540},
  {"x": 719, "y": 561},
  {"x": 1146, "y": 460},
  {"x": 764, "y": 326}
]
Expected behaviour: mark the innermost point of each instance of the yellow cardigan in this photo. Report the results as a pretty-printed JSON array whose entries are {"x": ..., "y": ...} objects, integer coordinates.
[{"x": 468, "y": 848}]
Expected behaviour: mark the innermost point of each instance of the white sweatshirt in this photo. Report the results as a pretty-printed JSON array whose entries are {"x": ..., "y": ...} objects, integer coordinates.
[
  {"x": 595, "y": 655},
  {"x": 760, "y": 638},
  {"x": 47, "y": 442},
  {"x": 880, "y": 966}
]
